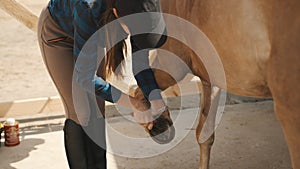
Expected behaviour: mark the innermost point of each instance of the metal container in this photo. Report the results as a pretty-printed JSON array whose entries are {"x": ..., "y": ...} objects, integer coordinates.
[{"x": 11, "y": 132}]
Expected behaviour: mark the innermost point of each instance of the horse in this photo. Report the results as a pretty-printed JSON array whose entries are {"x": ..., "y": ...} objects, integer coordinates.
[{"x": 258, "y": 45}]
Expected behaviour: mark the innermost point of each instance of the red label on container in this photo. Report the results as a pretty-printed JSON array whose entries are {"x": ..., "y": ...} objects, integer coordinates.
[{"x": 11, "y": 134}]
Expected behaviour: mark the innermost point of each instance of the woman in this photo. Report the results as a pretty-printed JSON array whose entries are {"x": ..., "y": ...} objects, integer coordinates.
[{"x": 63, "y": 29}]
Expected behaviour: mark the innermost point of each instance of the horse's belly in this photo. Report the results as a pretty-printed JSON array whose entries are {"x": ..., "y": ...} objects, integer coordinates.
[{"x": 239, "y": 32}]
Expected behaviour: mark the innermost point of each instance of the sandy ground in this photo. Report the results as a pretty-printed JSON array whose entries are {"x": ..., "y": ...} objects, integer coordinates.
[
  {"x": 22, "y": 72},
  {"x": 248, "y": 139}
]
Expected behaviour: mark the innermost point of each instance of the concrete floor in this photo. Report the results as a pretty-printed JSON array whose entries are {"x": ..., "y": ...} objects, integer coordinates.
[{"x": 248, "y": 137}]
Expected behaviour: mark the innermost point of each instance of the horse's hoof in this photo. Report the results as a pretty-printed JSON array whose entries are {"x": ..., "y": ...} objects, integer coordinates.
[
  {"x": 163, "y": 130},
  {"x": 165, "y": 137}
]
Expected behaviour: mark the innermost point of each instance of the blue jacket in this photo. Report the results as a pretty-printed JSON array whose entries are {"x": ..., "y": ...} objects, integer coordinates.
[{"x": 80, "y": 20}]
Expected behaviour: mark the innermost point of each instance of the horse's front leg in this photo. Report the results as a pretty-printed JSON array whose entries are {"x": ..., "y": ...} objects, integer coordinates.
[{"x": 205, "y": 130}]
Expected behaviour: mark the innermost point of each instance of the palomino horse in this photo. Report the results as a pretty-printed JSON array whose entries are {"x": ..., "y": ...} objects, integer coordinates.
[{"x": 258, "y": 43}]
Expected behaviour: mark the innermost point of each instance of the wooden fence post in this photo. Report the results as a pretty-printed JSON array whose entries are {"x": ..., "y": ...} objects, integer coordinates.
[{"x": 19, "y": 12}]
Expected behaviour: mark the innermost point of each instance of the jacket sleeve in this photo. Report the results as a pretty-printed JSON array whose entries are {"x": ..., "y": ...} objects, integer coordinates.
[{"x": 85, "y": 54}]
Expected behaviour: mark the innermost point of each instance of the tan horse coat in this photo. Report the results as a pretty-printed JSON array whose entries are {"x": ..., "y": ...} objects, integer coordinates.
[{"x": 259, "y": 45}]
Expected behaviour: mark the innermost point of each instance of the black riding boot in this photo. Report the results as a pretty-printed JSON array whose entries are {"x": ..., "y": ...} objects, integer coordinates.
[{"x": 84, "y": 152}]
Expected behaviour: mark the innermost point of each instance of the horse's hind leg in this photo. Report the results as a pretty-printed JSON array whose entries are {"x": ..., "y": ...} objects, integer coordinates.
[
  {"x": 287, "y": 110},
  {"x": 205, "y": 129},
  {"x": 284, "y": 81},
  {"x": 284, "y": 76}
]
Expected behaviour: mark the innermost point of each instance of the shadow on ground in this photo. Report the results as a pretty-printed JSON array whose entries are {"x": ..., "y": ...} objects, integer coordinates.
[{"x": 9, "y": 155}]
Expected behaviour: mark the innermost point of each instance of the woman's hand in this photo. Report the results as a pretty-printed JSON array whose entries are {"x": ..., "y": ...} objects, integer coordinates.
[
  {"x": 144, "y": 118},
  {"x": 142, "y": 112},
  {"x": 140, "y": 107}
]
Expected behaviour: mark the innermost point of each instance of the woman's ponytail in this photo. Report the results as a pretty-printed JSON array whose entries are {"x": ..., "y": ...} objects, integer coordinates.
[{"x": 114, "y": 56}]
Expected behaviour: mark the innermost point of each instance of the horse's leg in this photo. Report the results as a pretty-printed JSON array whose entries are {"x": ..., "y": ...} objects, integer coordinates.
[
  {"x": 289, "y": 118},
  {"x": 287, "y": 110},
  {"x": 284, "y": 76},
  {"x": 209, "y": 97}
]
